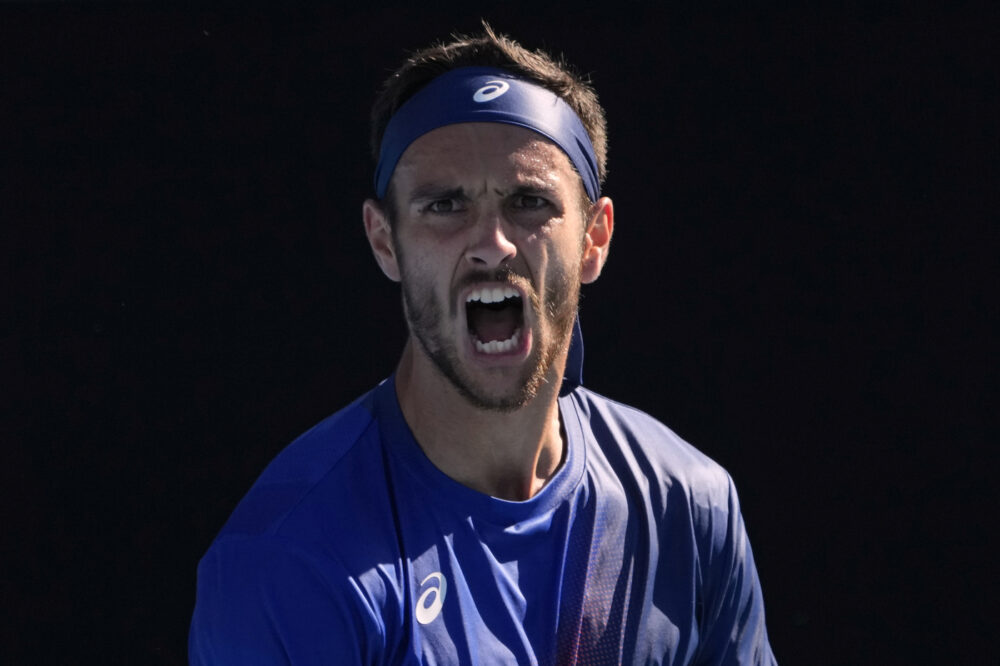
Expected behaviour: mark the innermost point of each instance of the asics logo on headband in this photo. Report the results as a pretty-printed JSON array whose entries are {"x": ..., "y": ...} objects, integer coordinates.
[{"x": 491, "y": 90}]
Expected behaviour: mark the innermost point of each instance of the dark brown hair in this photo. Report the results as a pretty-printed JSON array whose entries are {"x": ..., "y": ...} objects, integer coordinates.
[{"x": 491, "y": 50}]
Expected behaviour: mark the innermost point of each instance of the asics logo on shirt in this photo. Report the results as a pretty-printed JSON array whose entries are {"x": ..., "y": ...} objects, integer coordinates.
[
  {"x": 430, "y": 601},
  {"x": 491, "y": 90}
]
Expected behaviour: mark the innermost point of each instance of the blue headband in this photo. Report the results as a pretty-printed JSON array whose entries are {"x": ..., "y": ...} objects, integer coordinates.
[{"x": 487, "y": 95}]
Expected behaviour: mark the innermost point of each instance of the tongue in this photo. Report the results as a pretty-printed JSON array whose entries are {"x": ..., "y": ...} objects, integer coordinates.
[{"x": 489, "y": 325}]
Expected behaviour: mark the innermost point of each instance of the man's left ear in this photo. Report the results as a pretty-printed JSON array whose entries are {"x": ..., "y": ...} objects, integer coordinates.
[{"x": 597, "y": 241}]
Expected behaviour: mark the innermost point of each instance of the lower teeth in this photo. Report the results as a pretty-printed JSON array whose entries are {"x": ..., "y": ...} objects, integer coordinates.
[{"x": 498, "y": 346}]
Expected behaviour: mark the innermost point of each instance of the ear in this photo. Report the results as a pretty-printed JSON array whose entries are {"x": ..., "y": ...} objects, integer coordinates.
[
  {"x": 380, "y": 238},
  {"x": 597, "y": 241}
]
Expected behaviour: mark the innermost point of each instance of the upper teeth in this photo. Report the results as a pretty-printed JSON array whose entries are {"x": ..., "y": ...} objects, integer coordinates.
[{"x": 492, "y": 295}]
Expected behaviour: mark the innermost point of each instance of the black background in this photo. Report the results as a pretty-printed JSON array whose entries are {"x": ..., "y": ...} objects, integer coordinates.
[{"x": 802, "y": 283}]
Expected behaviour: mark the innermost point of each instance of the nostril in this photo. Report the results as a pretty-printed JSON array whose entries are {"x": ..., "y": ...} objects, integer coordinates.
[{"x": 494, "y": 253}]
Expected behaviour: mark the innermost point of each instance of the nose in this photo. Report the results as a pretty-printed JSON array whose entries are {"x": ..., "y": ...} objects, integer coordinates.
[{"x": 490, "y": 247}]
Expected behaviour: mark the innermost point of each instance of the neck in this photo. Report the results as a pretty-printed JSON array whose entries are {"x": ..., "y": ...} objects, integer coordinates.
[{"x": 510, "y": 455}]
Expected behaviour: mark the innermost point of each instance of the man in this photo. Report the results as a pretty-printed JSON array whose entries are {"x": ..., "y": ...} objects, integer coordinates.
[{"x": 480, "y": 506}]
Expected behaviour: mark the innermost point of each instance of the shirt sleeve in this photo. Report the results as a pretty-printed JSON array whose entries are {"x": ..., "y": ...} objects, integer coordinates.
[
  {"x": 261, "y": 600},
  {"x": 733, "y": 628}
]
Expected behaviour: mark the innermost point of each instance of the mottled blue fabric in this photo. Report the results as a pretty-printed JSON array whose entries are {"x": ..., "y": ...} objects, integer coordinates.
[{"x": 353, "y": 548}]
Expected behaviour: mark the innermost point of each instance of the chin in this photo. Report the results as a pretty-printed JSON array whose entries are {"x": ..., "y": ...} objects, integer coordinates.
[
  {"x": 506, "y": 402},
  {"x": 496, "y": 389},
  {"x": 499, "y": 393}
]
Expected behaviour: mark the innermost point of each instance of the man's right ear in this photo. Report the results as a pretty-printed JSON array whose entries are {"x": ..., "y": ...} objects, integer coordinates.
[{"x": 380, "y": 238}]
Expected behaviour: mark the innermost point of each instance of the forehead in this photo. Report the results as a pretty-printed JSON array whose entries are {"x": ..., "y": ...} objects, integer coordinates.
[{"x": 485, "y": 151}]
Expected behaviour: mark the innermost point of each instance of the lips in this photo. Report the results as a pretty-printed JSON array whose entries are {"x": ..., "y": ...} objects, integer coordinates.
[{"x": 495, "y": 318}]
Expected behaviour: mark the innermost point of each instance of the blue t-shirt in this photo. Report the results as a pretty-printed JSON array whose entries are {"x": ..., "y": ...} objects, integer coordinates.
[{"x": 353, "y": 548}]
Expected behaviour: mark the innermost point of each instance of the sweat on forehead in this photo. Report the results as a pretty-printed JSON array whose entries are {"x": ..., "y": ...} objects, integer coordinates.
[{"x": 487, "y": 94}]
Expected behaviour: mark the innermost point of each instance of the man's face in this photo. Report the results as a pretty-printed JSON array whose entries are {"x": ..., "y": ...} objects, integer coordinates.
[{"x": 489, "y": 235}]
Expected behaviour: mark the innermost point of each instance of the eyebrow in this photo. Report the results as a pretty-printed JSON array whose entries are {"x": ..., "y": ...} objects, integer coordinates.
[
  {"x": 436, "y": 191},
  {"x": 431, "y": 191},
  {"x": 528, "y": 189}
]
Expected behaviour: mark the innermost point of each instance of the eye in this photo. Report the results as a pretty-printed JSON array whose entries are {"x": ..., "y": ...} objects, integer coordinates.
[
  {"x": 442, "y": 206},
  {"x": 530, "y": 202}
]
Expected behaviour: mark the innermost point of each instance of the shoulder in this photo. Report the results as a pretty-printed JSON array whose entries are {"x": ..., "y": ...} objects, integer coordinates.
[
  {"x": 651, "y": 449},
  {"x": 263, "y": 599},
  {"x": 290, "y": 569},
  {"x": 695, "y": 521},
  {"x": 325, "y": 500},
  {"x": 304, "y": 480}
]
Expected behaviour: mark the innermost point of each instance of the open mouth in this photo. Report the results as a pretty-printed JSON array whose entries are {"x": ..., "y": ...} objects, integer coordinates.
[{"x": 495, "y": 316}]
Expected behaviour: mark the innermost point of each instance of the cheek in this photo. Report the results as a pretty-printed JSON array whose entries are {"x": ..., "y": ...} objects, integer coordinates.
[
  {"x": 562, "y": 278},
  {"x": 426, "y": 280},
  {"x": 566, "y": 258}
]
